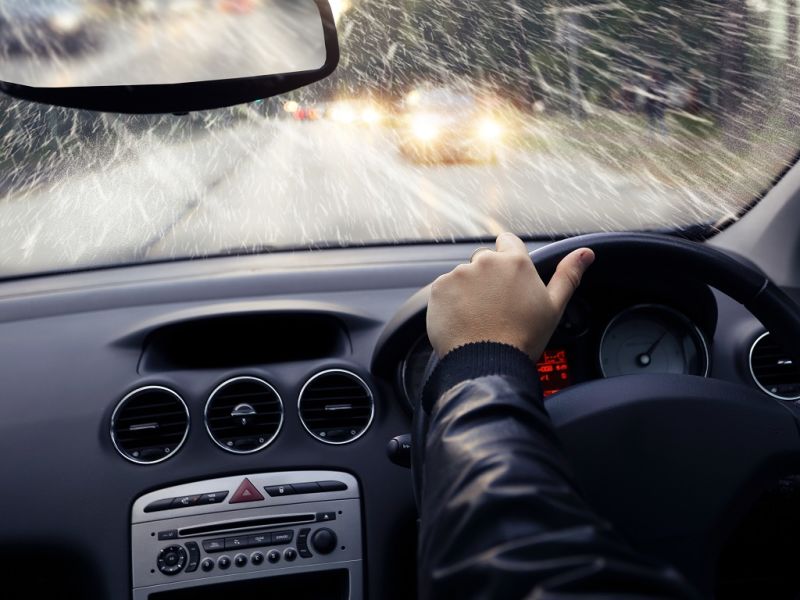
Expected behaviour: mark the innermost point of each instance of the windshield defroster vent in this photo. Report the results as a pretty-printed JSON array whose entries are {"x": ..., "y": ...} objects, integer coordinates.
[
  {"x": 773, "y": 370},
  {"x": 336, "y": 406},
  {"x": 149, "y": 425},
  {"x": 244, "y": 415}
]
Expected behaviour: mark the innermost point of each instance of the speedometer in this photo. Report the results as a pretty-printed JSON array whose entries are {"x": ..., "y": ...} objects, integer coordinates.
[{"x": 651, "y": 338}]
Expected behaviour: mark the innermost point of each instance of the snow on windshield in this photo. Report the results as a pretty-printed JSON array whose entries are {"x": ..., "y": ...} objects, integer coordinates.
[{"x": 446, "y": 120}]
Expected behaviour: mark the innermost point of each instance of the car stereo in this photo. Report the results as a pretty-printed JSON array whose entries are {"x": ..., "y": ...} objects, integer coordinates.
[{"x": 258, "y": 530}]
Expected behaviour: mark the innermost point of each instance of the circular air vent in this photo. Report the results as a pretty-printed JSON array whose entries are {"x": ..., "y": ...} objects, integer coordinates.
[
  {"x": 149, "y": 425},
  {"x": 773, "y": 370},
  {"x": 244, "y": 415},
  {"x": 336, "y": 406}
]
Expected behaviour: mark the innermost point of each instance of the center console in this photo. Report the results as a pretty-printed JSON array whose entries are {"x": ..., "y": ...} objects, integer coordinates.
[{"x": 268, "y": 533}]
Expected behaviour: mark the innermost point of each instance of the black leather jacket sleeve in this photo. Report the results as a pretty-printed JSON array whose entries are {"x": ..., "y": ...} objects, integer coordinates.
[{"x": 501, "y": 515}]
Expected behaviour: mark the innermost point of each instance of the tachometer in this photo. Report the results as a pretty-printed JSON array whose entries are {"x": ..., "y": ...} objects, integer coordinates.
[{"x": 652, "y": 338}]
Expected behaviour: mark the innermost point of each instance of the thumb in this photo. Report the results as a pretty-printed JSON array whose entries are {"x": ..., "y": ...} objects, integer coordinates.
[{"x": 568, "y": 276}]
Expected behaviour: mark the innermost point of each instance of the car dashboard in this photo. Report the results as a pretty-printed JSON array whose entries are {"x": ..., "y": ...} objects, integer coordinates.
[{"x": 246, "y": 398}]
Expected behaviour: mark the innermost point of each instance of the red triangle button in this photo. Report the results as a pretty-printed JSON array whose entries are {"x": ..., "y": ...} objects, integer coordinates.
[{"x": 246, "y": 492}]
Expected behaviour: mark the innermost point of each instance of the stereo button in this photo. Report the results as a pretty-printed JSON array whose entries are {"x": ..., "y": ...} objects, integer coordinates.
[
  {"x": 217, "y": 545},
  {"x": 223, "y": 562},
  {"x": 260, "y": 539},
  {"x": 282, "y": 537},
  {"x": 273, "y": 556},
  {"x": 232, "y": 543},
  {"x": 194, "y": 556}
]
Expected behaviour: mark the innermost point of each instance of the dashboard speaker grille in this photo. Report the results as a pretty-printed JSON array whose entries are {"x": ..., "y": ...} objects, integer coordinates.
[
  {"x": 773, "y": 370},
  {"x": 336, "y": 406},
  {"x": 244, "y": 415},
  {"x": 149, "y": 425}
]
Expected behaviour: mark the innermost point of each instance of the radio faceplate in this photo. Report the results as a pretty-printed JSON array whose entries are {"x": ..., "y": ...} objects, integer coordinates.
[{"x": 247, "y": 527}]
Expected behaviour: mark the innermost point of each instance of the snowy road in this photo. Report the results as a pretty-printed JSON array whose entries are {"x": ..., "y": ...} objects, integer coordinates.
[{"x": 267, "y": 183}]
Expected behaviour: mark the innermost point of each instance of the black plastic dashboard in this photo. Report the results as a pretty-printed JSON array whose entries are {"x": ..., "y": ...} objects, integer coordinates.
[{"x": 73, "y": 345}]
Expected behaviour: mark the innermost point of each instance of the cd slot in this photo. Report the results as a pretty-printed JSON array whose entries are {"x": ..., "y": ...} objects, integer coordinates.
[{"x": 245, "y": 524}]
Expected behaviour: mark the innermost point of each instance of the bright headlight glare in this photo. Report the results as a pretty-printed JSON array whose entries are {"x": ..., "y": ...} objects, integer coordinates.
[
  {"x": 490, "y": 130},
  {"x": 65, "y": 22},
  {"x": 371, "y": 115},
  {"x": 425, "y": 127},
  {"x": 343, "y": 113}
]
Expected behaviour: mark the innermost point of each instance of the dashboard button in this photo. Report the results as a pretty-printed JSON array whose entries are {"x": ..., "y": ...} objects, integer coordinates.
[
  {"x": 324, "y": 540},
  {"x": 212, "y": 498},
  {"x": 185, "y": 501},
  {"x": 326, "y": 516},
  {"x": 232, "y": 543},
  {"x": 194, "y": 556},
  {"x": 240, "y": 560},
  {"x": 170, "y": 534},
  {"x": 246, "y": 492},
  {"x": 282, "y": 537},
  {"x": 171, "y": 560},
  {"x": 259, "y": 539},
  {"x": 207, "y": 565},
  {"x": 302, "y": 543},
  {"x": 290, "y": 554},
  {"x": 164, "y": 504},
  {"x": 280, "y": 490},
  {"x": 223, "y": 562},
  {"x": 273, "y": 556},
  {"x": 306, "y": 488},
  {"x": 332, "y": 486},
  {"x": 256, "y": 558},
  {"x": 216, "y": 545}
]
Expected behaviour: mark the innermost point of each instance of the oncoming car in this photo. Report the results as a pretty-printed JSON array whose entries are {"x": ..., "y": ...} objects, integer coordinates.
[{"x": 448, "y": 124}]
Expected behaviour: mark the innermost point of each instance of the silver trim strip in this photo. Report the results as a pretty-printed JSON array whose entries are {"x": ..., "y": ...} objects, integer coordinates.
[
  {"x": 125, "y": 399},
  {"x": 753, "y": 374},
  {"x": 232, "y": 380},
  {"x": 358, "y": 380},
  {"x": 666, "y": 309}
]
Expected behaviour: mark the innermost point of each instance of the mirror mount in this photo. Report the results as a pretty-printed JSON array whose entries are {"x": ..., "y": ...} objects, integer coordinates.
[{"x": 182, "y": 98}]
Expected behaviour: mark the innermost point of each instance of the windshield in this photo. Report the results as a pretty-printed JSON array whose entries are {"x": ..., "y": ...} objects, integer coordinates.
[{"x": 446, "y": 120}]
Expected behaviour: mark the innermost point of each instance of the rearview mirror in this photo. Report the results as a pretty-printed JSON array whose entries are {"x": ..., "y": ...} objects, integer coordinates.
[{"x": 161, "y": 56}]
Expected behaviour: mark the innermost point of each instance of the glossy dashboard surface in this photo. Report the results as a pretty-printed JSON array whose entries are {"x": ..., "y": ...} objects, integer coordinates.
[{"x": 72, "y": 346}]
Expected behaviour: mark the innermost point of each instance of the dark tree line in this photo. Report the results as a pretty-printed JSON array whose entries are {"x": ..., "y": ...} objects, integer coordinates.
[{"x": 527, "y": 49}]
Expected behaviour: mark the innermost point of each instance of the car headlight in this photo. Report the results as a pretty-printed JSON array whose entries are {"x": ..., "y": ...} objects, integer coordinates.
[
  {"x": 371, "y": 115},
  {"x": 490, "y": 130},
  {"x": 343, "y": 113},
  {"x": 65, "y": 22},
  {"x": 425, "y": 127}
]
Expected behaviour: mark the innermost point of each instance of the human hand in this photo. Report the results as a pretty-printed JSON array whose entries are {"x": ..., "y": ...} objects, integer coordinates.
[{"x": 499, "y": 297}]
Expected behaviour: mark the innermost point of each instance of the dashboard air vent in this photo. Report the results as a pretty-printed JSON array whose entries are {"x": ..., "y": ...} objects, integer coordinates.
[
  {"x": 336, "y": 406},
  {"x": 772, "y": 369},
  {"x": 149, "y": 425},
  {"x": 244, "y": 415}
]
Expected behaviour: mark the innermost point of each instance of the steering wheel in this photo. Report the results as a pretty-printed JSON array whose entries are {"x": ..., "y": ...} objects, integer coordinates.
[{"x": 673, "y": 461}]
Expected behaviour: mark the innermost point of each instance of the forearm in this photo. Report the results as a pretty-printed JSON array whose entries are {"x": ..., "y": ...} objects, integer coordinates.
[{"x": 501, "y": 514}]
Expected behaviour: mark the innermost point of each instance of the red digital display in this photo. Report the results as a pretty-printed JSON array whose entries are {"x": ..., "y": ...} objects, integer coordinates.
[{"x": 553, "y": 371}]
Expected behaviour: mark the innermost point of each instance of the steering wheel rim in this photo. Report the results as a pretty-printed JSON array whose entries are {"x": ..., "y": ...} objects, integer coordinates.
[{"x": 768, "y": 444}]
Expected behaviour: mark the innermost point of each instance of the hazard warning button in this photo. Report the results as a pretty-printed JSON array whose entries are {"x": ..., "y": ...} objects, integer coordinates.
[{"x": 246, "y": 492}]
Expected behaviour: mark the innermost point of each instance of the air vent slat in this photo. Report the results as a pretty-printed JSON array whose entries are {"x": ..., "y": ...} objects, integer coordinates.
[
  {"x": 336, "y": 406},
  {"x": 773, "y": 370},
  {"x": 149, "y": 425},
  {"x": 259, "y": 427}
]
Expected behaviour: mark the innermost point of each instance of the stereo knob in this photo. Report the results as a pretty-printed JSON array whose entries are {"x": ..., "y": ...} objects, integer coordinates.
[
  {"x": 324, "y": 540},
  {"x": 171, "y": 560}
]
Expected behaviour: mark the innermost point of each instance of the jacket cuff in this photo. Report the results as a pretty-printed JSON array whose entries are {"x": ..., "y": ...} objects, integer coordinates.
[{"x": 478, "y": 359}]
